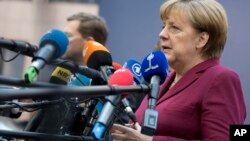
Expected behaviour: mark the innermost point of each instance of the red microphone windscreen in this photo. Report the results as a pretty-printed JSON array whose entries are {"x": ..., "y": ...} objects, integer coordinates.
[
  {"x": 116, "y": 65},
  {"x": 121, "y": 77}
]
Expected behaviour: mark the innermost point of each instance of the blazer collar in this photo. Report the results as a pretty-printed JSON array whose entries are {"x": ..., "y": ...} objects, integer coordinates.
[{"x": 192, "y": 75}]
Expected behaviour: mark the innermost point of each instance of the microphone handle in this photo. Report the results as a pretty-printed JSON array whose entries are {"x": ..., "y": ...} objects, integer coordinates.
[
  {"x": 155, "y": 87},
  {"x": 90, "y": 122},
  {"x": 106, "y": 72},
  {"x": 129, "y": 110},
  {"x": 150, "y": 118}
]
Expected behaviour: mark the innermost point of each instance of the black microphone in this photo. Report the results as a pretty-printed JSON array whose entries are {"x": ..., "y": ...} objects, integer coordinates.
[
  {"x": 23, "y": 47},
  {"x": 53, "y": 44},
  {"x": 154, "y": 71}
]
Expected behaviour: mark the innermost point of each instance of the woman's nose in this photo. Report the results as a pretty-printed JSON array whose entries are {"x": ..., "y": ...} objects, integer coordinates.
[{"x": 163, "y": 34}]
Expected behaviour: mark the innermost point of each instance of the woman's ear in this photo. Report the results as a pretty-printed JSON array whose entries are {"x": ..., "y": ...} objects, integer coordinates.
[{"x": 203, "y": 39}]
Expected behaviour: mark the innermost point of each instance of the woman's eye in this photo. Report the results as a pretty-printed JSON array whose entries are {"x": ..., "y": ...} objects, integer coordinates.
[{"x": 175, "y": 27}]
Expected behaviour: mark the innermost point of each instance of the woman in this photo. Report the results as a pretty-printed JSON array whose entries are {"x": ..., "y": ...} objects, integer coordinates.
[{"x": 201, "y": 98}]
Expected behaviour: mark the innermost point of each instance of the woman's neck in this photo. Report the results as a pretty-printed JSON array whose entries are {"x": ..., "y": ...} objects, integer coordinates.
[{"x": 181, "y": 68}]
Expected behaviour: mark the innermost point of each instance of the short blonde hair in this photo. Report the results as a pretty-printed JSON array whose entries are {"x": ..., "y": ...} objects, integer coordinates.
[{"x": 206, "y": 16}]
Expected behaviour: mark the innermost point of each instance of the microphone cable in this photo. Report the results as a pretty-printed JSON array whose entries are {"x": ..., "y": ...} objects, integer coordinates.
[
  {"x": 35, "y": 105},
  {"x": 118, "y": 111},
  {"x": 11, "y": 59}
]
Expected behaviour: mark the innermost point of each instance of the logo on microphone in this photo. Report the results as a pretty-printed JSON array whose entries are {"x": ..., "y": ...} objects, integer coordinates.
[
  {"x": 136, "y": 68},
  {"x": 150, "y": 67}
]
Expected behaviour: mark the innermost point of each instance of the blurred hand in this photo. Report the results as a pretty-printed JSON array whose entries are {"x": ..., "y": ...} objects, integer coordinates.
[{"x": 130, "y": 132}]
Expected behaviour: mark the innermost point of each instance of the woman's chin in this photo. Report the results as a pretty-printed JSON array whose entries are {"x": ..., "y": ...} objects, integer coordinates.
[{"x": 169, "y": 57}]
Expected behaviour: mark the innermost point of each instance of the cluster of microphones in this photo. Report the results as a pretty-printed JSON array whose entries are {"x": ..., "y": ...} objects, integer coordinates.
[{"x": 80, "y": 102}]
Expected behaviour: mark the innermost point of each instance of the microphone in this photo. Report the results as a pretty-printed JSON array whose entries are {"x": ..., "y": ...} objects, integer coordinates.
[
  {"x": 62, "y": 118},
  {"x": 96, "y": 55},
  {"x": 23, "y": 47},
  {"x": 79, "y": 80},
  {"x": 76, "y": 120},
  {"x": 88, "y": 108},
  {"x": 125, "y": 101},
  {"x": 155, "y": 64},
  {"x": 43, "y": 120},
  {"x": 64, "y": 76},
  {"x": 99, "y": 104},
  {"x": 80, "y": 70},
  {"x": 106, "y": 115},
  {"x": 134, "y": 67},
  {"x": 60, "y": 76},
  {"x": 154, "y": 71},
  {"x": 52, "y": 45},
  {"x": 116, "y": 65}
]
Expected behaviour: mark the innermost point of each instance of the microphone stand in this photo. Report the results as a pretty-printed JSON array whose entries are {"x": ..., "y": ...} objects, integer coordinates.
[
  {"x": 29, "y": 105},
  {"x": 12, "y": 81},
  {"x": 43, "y": 136},
  {"x": 81, "y": 92},
  {"x": 23, "y": 47}
]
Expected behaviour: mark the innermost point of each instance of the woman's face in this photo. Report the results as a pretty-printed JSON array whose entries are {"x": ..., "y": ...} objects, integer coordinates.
[{"x": 179, "y": 40}]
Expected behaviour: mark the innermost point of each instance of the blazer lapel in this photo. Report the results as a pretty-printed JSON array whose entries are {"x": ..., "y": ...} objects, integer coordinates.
[
  {"x": 178, "y": 87},
  {"x": 191, "y": 76}
]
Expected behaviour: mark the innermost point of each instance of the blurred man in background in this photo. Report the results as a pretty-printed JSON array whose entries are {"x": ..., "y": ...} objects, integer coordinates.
[{"x": 80, "y": 28}]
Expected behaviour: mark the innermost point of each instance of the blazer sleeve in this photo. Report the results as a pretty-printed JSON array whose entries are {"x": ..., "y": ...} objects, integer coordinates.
[{"x": 222, "y": 106}]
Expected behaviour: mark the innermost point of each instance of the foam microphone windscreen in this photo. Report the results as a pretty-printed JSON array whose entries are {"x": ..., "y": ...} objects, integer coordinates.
[
  {"x": 60, "y": 76},
  {"x": 58, "y": 39},
  {"x": 96, "y": 55},
  {"x": 135, "y": 67},
  {"x": 155, "y": 63},
  {"x": 53, "y": 45},
  {"x": 116, "y": 65},
  {"x": 121, "y": 77}
]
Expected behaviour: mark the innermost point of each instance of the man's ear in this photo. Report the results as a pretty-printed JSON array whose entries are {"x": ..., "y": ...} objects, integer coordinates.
[
  {"x": 90, "y": 38},
  {"x": 203, "y": 39}
]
